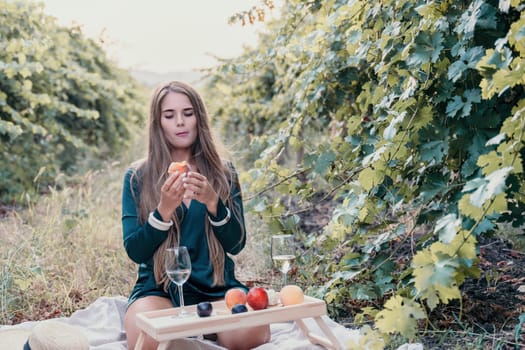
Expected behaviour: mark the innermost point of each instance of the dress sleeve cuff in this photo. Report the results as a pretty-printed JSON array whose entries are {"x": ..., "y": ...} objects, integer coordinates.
[
  {"x": 155, "y": 220},
  {"x": 222, "y": 217}
]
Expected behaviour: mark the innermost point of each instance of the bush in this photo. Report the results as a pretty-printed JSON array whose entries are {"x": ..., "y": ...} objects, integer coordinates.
[
  {"x": 403, "y": 119},
  {"x": 61, "y": 101}
]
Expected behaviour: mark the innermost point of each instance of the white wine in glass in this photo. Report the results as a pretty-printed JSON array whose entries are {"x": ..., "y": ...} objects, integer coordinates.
[
  {"x": 283, "y": 253},
  {"x": 178, "y": 269}
]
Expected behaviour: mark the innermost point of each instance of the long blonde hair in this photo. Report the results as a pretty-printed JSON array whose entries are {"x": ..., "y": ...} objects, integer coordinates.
[{"x": 205, "y": 155}]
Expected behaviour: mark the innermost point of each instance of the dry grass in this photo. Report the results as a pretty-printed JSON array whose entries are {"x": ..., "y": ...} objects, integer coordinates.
[
  {"x": 65, "y": 251},
  {"x": 253, "y": 264}
]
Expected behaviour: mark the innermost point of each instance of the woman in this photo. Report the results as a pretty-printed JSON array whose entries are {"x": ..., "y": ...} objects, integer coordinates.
[{"x": 201, "y": 209}]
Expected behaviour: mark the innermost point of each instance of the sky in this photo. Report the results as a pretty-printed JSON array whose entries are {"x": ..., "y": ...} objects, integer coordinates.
[{"x": 161, "y": 35}]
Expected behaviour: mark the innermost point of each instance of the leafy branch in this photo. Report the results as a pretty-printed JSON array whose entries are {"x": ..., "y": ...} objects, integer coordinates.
[{"x": 404, "y": 109}]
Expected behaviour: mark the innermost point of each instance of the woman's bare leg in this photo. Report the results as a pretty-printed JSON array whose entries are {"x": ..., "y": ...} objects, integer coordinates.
[
  {"x": 244, "y": 338},
  {"x": 148, "y": 303}
]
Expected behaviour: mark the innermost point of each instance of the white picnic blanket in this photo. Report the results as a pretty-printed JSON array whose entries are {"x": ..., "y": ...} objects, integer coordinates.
[{"x": 102, "y": 324}]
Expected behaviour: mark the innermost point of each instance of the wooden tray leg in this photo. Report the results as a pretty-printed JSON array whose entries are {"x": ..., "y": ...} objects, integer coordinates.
[
  {"x": 163, "y": 345},
  {"x": 140, "y": 341},
  {"x": 330, "y": 343},
  {"x": 322, "y": 324}
]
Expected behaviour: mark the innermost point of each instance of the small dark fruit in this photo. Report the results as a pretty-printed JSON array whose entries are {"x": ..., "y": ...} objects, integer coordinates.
[
  {"x": 238, "y": 308},
  {"x": 204, "y": 309}
]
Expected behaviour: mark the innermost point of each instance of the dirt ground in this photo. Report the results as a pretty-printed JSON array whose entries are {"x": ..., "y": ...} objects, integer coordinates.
[
  {"x": 492, "y": 305},
  {"x": 488, "y": 316}
]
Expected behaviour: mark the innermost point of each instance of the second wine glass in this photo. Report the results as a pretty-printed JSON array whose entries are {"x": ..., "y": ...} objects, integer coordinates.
[
  {"x": 283, "y": 253},
  {"x": 178, "y": 269}
]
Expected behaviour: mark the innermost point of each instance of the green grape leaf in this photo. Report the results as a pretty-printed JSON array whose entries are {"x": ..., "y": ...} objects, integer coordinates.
[
  {"x": 434, "y": 150},
  {"x": 503, "y": 80},
  {"x": 347, "y": 212},
  {"x": 504, "y": 5},
  {"x": 462, "y": 107},
  {"x": 324, "y": 161},
  {"x": 493, "y": 185},
  {"x": 257, "y": 204},
  {"x": 475, "y": 150},
  {"x": 472, "y": 96},
  {"x": 369, "y": 178},
  {"x": 429, "y": 10},
  {"x": 399, "y": 315},
  {"x": 474, "y": 184},
  {"x": 434, "y": 274},
  {"x": 363, "y": 291},
  {"x": 443, "y": 293},
  {"x": 368, "y": 339},
  {"x": 467, "y": 208},
  {"x": 427, "y": 48},
  {"x": 456, "y": 69},
  {"x": 496, "y": 140},
  {"x": 484, "y": 226},
  {"x": 517, "y": 35},
  {"x": 494, "y": 161},
  {"x": 454, "y": 106},
  {"x": 464, "y": 246},
  {"x": 472, "y": 56},
  {"x": 433, "y": 184},
  {"x": 447, "y": 227},
  {"x": 468, "y": 19},
  {"x": 495, "y": 59},
  {"x": 391, "y": 129},
  {"x": 423, "y": 118},
  {"x": 367, "y": 214},
  {"x": 497, "y": 205}
]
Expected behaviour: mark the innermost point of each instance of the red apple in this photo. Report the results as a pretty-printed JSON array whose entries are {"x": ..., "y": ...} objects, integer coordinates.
[{"x": 257, "y": 298}]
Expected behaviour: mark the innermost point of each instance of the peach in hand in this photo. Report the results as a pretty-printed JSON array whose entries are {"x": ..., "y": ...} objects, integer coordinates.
[
  {"x": 181, "y": 167},
  {"x": 291, "y": 295},
  {"x": 235, "y": 296}
]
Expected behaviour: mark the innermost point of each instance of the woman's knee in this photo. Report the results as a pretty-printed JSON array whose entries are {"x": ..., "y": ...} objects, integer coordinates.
[
  {"x": 149, "y": 303},
  {"x": 244, "y": 338}
]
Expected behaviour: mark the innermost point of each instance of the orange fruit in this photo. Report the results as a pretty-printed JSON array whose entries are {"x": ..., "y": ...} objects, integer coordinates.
[
  {"x": 291, "y": 295},
  {"x": 235, "y": 296}
]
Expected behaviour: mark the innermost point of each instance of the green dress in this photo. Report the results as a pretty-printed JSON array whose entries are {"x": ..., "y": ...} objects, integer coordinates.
[{"x": 141, "y": 241}]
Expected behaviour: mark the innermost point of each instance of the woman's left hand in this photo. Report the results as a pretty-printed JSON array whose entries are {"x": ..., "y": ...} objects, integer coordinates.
[{"x": 197, "y": 187}]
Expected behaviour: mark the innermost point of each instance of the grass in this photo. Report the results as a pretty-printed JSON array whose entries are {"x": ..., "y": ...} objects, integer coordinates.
[{"x": 65, "y": 251}]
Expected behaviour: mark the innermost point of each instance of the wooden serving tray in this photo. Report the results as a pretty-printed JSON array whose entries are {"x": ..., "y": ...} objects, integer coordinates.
[{"x": 163, "y": 325}]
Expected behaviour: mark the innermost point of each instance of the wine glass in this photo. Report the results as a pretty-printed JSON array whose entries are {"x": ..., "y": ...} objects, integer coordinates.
[
  {"x": 283, "y": 253},
  {"x": 178, "y": 269}
]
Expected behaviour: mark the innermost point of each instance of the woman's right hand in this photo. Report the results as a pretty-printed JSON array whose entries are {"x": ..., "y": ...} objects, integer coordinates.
[{"x": 171, "y": 195}]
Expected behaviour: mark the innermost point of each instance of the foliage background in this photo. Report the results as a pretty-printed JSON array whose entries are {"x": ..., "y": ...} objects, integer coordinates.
[{"x": 407, "y": 119}]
